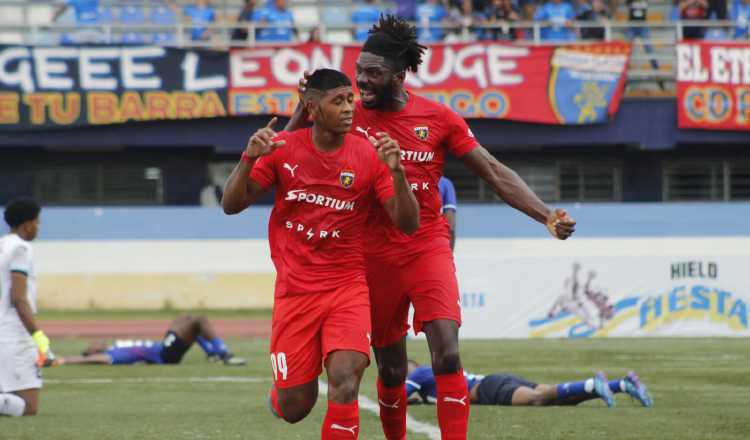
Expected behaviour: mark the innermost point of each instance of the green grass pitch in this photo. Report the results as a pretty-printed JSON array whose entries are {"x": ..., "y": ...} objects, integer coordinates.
[{"x": 700, "y": 388}]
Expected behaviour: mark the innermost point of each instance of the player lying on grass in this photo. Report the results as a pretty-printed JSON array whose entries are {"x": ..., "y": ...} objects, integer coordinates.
[
  {"x": 181, "y": 334},
  {"x": 508, "y": 390}
]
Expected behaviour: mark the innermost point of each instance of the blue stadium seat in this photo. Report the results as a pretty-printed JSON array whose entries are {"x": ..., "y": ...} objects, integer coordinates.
[
  {"x": 133, "y": 38},
  {"x": 716, "y": 34},
  {"x": 162, "y": 15},
  {"x": 162, "y": 38},
  {"x": 336, "y": 16},
  {"x": 132, "y": 14},
  {"x": 105, "y": 15}
]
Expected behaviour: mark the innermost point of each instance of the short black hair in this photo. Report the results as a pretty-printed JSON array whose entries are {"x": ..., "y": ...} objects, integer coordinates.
[
  {"x": 327, "y": 79},
  {"x": 396, "y": 40},
  {"x": 20, "y": 210}
]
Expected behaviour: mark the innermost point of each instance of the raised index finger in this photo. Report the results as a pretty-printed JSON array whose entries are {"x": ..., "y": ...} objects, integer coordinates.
[{"x": 272, "y": 122}]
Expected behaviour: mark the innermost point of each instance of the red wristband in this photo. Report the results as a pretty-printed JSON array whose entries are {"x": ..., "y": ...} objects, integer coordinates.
[{"x": 245, "y": 158}]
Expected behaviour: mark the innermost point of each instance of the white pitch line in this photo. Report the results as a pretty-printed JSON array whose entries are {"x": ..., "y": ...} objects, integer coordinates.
[
  {"x": 431, "y": 431},
  {"x": 128, "y": 380}
]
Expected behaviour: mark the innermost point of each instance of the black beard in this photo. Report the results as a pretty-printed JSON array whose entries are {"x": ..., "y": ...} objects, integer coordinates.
[{"x": 384, "y": 96}]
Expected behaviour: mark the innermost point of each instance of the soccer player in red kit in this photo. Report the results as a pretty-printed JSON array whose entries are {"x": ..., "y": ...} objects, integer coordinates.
[
  {"x": 419, "y": 268},
  {"x": 327, "y": 180}
]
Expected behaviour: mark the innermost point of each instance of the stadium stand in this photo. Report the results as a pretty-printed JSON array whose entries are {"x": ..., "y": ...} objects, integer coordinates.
[
  {"x": 575, "y": 174},
  {"x": 141, "y": 22}
]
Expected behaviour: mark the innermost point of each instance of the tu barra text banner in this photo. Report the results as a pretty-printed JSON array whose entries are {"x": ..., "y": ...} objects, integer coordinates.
[{"x": 49, "y": 87}]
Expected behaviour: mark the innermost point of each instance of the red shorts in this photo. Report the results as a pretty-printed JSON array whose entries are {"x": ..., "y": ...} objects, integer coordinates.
[
  {"x": 306, "y": 328},
  {"x": 427, "y": 281}
]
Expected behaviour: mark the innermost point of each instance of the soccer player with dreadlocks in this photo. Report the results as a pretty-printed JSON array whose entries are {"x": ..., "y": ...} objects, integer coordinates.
[{"x": 418, "y": 269}]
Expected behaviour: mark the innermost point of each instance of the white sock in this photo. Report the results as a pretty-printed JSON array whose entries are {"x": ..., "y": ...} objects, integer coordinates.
[
  {"x": 11, "y": 405},
  {"x": 588, "y": 386}
]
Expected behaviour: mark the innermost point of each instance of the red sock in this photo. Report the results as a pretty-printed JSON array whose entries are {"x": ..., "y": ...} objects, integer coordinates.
[
  {"x": 392, "y": 403},
  {"x": 341, "y": 422},
  {"x": 452, "y": 405}
]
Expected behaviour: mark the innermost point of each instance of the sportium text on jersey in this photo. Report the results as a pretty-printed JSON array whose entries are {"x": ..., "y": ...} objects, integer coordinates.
[
  {"x": 322, "y": 201},
  {"x": 318, "y": 199},
  {"x": 425, "y": 131}
]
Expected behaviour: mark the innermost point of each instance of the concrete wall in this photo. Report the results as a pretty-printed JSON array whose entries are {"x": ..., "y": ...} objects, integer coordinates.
[{"x": 198, "y": 257}]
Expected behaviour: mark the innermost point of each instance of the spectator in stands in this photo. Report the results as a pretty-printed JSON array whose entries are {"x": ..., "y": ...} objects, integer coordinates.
[
  {"x": 86, "y": 11},
  {"x": 693, "y": 10},
  {"x": 406, "y": 9},
  {"x": 717, "y": 9},
  {"x": 596, "y": 11},
  {"x": 468, "y": 8},
  {"x": 200, "y": 15},
  {"x": 363, "y": 17},
  {"x": 638, "y": 13},
  {"x": 278, "y": 22},
  {"x": 315, "y": 36},
  {"x": 132, "y": 15},
  {"x": 741, "y": 16},
  {"x": 528, "y": 9},
  {"x": 499, "y": 15},
  {"x": 86, "y": 15},
  {"x": 559, "y": 16},
  {"x": 431, "y": 15},
  {"x": 161, "y": 14},
  {"x": 245, "y": 16},
  {"x": 467, "y": 13}
]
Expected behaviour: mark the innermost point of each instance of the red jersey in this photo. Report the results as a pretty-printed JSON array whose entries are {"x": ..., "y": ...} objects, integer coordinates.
[
  {"x": 425, "y": 131},
  {"x": 322, "y": 201}
]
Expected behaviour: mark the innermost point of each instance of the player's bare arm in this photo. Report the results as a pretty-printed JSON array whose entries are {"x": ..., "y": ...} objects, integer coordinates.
[
  {"x": 450, "y": 217},
  {"x": 240, "y": 191},
  {"x": 403, "y": 208},
  {"x": 513, "y": 190},
  {"x": 20, "y": 300}
]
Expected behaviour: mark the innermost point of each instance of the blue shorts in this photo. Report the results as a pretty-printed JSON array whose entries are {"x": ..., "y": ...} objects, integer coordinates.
[
  {"x": 498, "y": 389},
  {"x": 136, "y": 354}
]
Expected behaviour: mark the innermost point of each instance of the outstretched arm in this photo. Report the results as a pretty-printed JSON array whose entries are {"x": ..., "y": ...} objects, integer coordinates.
[
  {"x": 240, "y": 191},
  {"x": 513, "y": 190},
  {"x": 402, "y": 208},
  {"x": 94, "y": 359}
]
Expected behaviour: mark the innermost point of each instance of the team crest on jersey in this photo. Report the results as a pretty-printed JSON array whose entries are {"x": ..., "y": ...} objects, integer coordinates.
[
  {"x": 346, "y": 178},
  {"x": 422, "y": 132}
]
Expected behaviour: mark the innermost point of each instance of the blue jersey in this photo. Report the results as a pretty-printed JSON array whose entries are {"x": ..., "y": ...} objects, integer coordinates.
[
  {"x": 741, "y": 15},
  {"x": 199, "y": 17},
  {"x": 430, "y": 14},
  {"x": 87, "y": 11},
  {"x": 363, "y": 18},
  {"x": 557, "y": 14},
  {"x": 422, "y": 382},
  {"x": 447, "y": 194},
  {"x": 127, "y": 352},
  {"x": 281, "y": 23}
]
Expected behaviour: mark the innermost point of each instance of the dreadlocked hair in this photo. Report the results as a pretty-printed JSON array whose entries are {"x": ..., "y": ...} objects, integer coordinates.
[{"x": 395, "y": 39}]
